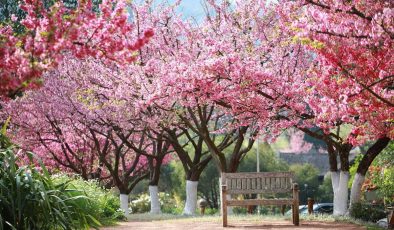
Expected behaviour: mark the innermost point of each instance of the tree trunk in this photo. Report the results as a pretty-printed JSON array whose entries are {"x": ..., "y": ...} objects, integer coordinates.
[
  {"x": 355, "y": 193},
  {"x": 191, "y": 198},
  {"x": 339, "y": 184},
  {"x": 124, "y": 203},
  {"x": 154, "y": 199},
  {"x": 362, "y": 169}
]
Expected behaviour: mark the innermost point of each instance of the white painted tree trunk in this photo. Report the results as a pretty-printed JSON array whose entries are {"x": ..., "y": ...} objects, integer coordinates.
[
  {"x": 154, "y": 199},
  {"x": 355, "y": 193},
  {"x": 339, "y": 184},
  {"x": 191, "y": 198},
  {"x": 124, "y": 203}
]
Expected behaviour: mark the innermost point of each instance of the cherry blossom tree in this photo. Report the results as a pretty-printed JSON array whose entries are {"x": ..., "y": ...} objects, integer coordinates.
[
  {"x": 50, "y": 32},
  {"x": 73, "y": 101},
  {"x": 352, "y": 76},
  {"x": 157, "y": 154},
  {"x": 280, "y": 86},
  {"x": 353, "y": 39},
  {"x": 61, "y": 143},
  {"x": 249, "y": 68},
  {"x": 194, "y": 160},
  {"x": 156, "y": 102},
  {"x": 172, "y": 63}
]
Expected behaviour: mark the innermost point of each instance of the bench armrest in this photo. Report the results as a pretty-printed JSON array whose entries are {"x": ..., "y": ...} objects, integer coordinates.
[{"x": 224, "y": 187}]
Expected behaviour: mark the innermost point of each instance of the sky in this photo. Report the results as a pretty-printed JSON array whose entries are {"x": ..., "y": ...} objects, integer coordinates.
[
  {"x": 191, "y": 8},
  {"x": 188, "y": 8}
]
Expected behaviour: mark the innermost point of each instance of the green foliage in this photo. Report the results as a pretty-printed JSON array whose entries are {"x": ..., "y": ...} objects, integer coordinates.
[
  {"x": 353, "y": 168},
  {"x": 8, "y": 8},
  {"x": 385, "y": 182},
  {"x": 306, "y": 174},
  {"x": 172, "y": 178},
  {"x": 103, "y": 204},
  {"x": 176, "y": 178},
  {"x": 325, "y": 192},
  {"x": 264, "y": 210},
  {"x": 141, "y": 203},
  {"x": 208, "y": 186},
  {"x": 4, "y": 140},
  {"x": 386, "y": 185},
  {"x": 367, "y": 212},
  {"x": 269, "y": 162},
  {"x": 281, "y": 142},
  {"x": 211, "y": 211},
  {"x": 29, "y": 199}
]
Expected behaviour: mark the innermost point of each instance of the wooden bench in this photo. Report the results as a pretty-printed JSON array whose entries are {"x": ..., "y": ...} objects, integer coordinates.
[{"x": 260, "y": 183}]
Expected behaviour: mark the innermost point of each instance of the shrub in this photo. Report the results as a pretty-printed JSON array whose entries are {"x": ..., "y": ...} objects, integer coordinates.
[
  {"x": 211, "y": 211},
  {"x": 141, "y": 204},
  {"x": 367, "y": 212},
  {"x": 30, "y": 200},
  {"x": 103, "y": 206}
]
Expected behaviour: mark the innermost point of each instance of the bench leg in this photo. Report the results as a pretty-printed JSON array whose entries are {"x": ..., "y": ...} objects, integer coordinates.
[
  {"x": 296, "y": 203},
  {"x": 292, "y": 213},
  {"x": 296, "y": 215},
  {"x": 224, "y": 214},
  {"x": 224, "y": 206}
]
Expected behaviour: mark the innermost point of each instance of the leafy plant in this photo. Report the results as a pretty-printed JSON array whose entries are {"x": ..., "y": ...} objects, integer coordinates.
[
  {"x": 380, "y": 175},
  {"x": 141, "y": 204},
  {"x": 306, "y": 174},
  {"x": 29, "y": 199},
  {"x": 103, "y": 206},
  {"x": 4, "y": 140},
  {"x": 367, "y": 212}
]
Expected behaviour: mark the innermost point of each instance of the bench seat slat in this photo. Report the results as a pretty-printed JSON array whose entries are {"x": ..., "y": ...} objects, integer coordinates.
[
  {"x": 259, "y": 202},
  {"x": 259, "y": 175},
  {"x": 258, "y": 191}
]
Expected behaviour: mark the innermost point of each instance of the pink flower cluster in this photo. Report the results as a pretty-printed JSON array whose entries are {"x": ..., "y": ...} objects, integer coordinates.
[{"x": 50, "y": 33}]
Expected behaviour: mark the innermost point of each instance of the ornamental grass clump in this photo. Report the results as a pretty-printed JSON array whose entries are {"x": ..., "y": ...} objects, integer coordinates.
[{"x": 29, "y": 198}]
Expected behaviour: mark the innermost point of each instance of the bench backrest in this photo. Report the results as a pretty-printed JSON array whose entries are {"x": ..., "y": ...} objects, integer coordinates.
[{"x": 255, "y": 183}]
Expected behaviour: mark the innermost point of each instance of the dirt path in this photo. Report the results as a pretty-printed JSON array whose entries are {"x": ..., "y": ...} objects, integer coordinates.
[{"x": 186, "y": 224}]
